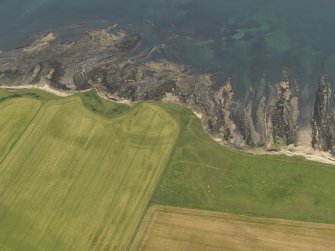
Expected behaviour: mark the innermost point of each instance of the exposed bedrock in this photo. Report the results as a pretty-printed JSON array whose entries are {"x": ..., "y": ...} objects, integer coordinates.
[
  {"x": 285, "y": 113},
  {"x": 323, "y": 137},
  {"x": 115, "y": 64},
  {"x": 272, "y": 119}
]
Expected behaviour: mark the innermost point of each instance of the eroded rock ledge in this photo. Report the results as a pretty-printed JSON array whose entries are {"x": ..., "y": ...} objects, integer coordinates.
[
  {"x": 323, "y": 118},
  {"x": 112, "y": 64}
]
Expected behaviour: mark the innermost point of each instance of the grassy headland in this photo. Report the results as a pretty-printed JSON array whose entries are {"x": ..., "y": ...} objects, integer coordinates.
[{"x": 205, "y": 175}]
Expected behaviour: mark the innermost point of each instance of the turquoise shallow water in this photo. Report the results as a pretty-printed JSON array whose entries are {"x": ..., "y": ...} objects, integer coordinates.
[{"x": 248, "y": 39}]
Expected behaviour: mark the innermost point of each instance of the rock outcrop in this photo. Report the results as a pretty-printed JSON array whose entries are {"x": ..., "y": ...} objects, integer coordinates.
[
  {"x": 323, "y": 137},
  {"x": 113, "y": 64},
  {"x": 284, "y": 115}
]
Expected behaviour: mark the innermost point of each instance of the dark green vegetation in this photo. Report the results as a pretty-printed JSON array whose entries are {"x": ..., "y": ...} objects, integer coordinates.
[
  {"x": 7, "y": 94},
  {"x": 202, "y": 174},
  {"x": 101, "y": 106}
]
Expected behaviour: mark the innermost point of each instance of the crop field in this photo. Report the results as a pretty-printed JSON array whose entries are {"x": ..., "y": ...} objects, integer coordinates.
[
  {"x": 177, "y": 229},
  {"x": 79, "y": 173},
  {"x": 71, "y": 179},
  {"x": 15, "y": 116}
]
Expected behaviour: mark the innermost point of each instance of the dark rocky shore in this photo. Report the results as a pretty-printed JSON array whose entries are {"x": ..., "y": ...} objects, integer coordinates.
[{"x": 112, "y": 64}]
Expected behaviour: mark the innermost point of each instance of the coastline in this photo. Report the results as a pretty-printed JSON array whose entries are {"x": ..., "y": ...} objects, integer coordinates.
[
  {"x": 59, "y": 93},
  {"x": 307, "y": 152},
  {"x": 303, "y": 149},
  {"x": 44, "y": 87}
]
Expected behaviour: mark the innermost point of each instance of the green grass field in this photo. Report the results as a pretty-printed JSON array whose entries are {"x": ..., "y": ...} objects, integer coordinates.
[
  {"x": 71, "y": 179},
  {"x": 202, "y": 174}
]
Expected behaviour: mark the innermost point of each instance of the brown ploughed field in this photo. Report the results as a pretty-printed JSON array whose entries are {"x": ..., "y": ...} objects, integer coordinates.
[{"x": 178, "y": 229}]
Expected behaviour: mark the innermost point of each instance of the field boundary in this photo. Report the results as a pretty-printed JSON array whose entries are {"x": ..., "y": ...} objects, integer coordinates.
[{"x": 166, "y": 162}]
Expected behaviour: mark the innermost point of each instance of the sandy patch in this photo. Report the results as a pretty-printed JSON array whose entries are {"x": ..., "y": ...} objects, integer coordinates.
[
  {"x": 44, "y": 87},
  {"x": 304, "y": 149}
]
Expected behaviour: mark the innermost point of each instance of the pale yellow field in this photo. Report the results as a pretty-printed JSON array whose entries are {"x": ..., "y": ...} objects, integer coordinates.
[
  {"x": 177, "y": 229},
  {"x": 73, "y": 180}
]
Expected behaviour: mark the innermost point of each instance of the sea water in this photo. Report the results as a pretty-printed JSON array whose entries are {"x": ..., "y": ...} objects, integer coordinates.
[{"x": 250, "y": 40}]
